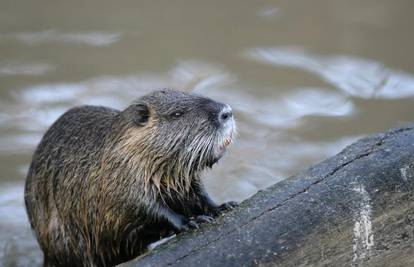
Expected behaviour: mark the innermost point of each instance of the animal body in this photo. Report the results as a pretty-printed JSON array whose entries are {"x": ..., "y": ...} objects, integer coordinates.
[{"x": 105, "y": 183}]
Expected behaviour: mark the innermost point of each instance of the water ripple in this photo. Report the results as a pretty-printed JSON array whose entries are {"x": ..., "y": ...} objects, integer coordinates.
[
  {"x": 356, "y": 76},
  {"x": 287, "y": 110},
  {"x": 33, "y": 69},
  {"x": 269, "y": 12},
  {"x": 18, "y": 246},
  {"x": 84, "y": 38}
]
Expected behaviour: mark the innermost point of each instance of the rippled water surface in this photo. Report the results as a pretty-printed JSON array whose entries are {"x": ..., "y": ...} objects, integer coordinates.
[{"x": 305, "y": 79}]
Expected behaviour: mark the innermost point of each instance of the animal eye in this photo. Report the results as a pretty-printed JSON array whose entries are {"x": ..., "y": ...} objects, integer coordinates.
[{"x": 176, "y": 114}]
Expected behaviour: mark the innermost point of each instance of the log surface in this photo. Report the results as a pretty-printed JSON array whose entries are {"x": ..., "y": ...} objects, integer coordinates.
[{"x": 354, "y": 209}]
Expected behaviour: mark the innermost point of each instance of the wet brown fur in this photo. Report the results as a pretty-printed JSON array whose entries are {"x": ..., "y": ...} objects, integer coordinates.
[{"x": 103, "y": 184}]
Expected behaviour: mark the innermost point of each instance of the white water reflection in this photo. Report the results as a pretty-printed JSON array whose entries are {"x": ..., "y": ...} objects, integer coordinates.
[
  {"x": 11, "y": 198},
  {"x": 33, "y": 69},
  {"x": 200, "y": 77},
  {"x": 317, "y": 102},
  {"x": 356, "y": 76},
  {"x": 288, "y": 110},
  {"x": 48, "y": 36},
  {"x": 117, "y": 91},
  {"x": 269, "y": 12},
  {"x": 17, "y": 244},
  {"x": 19, "y": 143},
  {"x": 50, "y": 93}
]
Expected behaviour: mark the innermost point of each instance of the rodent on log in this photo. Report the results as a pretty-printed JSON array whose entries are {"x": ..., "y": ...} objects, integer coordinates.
[{"x": 104, "y": 183}]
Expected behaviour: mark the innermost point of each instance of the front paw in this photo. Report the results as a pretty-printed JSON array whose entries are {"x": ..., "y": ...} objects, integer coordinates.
[
  {"x": 204, "y": 219},
  {"x": 183, "y": 224},
  {"x": 228, "y": 205},
  {"x": 224, "y": 207}
]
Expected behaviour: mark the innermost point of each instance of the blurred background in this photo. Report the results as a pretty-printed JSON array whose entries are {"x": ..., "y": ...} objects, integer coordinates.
[{"x": 305, "y": 79}]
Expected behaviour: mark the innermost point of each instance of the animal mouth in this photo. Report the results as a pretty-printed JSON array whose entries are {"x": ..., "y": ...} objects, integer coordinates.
[
  {"x": 227, "y": 141},
  {"x": 221, "y": 147}
]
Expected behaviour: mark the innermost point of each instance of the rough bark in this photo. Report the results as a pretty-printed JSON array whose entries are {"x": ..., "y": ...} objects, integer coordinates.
[{"x": 356, "y": 208}]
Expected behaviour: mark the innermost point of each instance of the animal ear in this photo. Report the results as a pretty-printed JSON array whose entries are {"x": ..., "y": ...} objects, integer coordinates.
[{"x": 141, "y": 114}]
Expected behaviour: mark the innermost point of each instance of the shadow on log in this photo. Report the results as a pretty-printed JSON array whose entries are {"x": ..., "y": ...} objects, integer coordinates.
[{"x": 356, "y": 208}]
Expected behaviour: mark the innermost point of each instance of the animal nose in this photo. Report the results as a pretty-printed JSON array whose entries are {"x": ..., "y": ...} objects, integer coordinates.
[{"x": 225, "y": 114}]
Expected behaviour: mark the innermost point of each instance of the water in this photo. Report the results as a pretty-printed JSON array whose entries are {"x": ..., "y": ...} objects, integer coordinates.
[{"x": 305, "y": 78}]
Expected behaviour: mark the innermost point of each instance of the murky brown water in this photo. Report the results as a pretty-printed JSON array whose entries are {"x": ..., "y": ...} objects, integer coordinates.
[{"x": 305, "y": 79}]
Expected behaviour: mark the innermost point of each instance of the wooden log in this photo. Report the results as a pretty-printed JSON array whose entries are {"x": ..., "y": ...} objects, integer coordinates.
[{"x": 356, "y": 208}]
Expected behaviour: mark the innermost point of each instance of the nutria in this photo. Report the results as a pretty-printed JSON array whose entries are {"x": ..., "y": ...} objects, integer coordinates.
[{"x": 104, "y": 183}]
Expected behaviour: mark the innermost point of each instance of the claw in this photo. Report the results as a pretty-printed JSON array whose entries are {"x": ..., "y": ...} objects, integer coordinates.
[
  {"x": 228, "y": 205},
  {"x": 204, "y": 219},
  {"x": 193, "y": 224},
  {"x": 216, "y": 211}
]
